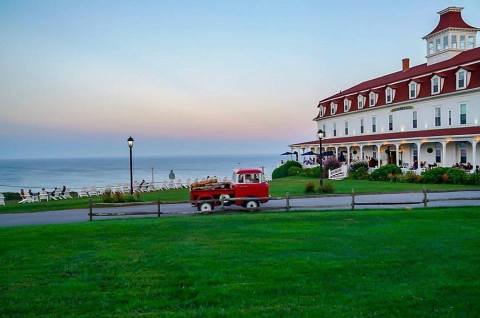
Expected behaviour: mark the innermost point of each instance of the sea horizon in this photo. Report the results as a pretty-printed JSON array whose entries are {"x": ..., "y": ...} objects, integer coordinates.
[{"x": 76, "y": 173}]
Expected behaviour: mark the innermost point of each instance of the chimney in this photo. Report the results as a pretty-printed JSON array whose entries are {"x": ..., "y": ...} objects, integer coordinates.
[{"x": 405, "y": 64}]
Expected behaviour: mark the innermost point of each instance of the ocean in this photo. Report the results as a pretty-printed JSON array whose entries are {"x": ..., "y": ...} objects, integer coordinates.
[{"x": 86, "y": 172}]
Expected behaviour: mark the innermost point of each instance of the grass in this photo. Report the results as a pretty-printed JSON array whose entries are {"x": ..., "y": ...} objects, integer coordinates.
[
  {"x": 295, "y": 186},
  {"x": 400, "y": 263}
]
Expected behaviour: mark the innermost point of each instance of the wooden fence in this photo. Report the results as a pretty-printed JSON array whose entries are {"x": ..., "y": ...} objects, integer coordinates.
[{"x": 287, "y": 206}]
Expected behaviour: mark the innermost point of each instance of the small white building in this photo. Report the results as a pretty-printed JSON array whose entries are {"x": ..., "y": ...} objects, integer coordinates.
[{"x": 421, "y": 115}]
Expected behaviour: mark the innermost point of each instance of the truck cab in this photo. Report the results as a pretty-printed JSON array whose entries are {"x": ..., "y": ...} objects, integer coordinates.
[{"x": 250, "y": 183}]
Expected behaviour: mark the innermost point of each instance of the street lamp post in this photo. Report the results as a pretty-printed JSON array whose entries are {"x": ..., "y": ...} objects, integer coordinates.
[
  {"x": 130, "y": 145},
  {"x": 320, "y": 136}
]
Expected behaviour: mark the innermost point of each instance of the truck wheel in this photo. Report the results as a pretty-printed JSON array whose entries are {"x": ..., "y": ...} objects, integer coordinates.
[
  {"x": 205, "y": 207},
  {"x": 251, "y": 205}
]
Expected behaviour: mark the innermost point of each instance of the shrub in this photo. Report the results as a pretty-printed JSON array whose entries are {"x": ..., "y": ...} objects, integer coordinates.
[
  {"x": 457, "y": 176},
  {"x": 473, "y": 178},
  {"x": 330, "y": 164},
  {"x": 327, "y": 188},
  {"x": 381, "y": 174},
  {"x": 434, "y": 175},
  {"x": 12, "y": 196},
  {"x": 119, "y": 197},
  {"x": 372, "y": 163},
  {"x": 282, "y": 171},
  {"x": 294, "y": 171},
  {"x": 312, "y": 172},
  {"x": 361, "y": 173},
  {"x": 309, "y": 187},
  {"x": 357, "y": 165},
  {"x": 410, "y": 176}
]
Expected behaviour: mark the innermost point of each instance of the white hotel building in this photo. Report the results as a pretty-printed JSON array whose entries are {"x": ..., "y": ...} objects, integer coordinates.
[{"x": 425, "y": 113}]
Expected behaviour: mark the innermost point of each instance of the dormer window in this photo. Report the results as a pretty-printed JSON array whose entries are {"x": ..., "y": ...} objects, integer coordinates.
[
  {"x": 412, "y": 90},
  {"x": 333, "y": 108},
  {"x": 389, "y": 95},
  {"x": 346, "y": 105},
  {"x": 361, "y": 101},
  {"x": 435, "y": 84},
  {"x": 470, "y": 42},
  {"x": 461, "y": 79},
  {"x": 372, "y": 99}
]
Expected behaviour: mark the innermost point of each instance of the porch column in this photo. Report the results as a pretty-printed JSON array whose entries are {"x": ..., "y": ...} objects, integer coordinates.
[
  {"x": 474, "y": 154},
  {"x": 348, "y": 155},
  {"x": 397, "y": 154},
  {"x": 361, "y": 153},
  {"x": 336, "y": 152},
  {"x": 419, "y": 145},
  {"x": 379, "y": 155},
  {"x": 444, "y": 154}
]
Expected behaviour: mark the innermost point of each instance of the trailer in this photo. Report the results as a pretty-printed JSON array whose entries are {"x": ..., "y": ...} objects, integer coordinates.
[{"x": 248, "y": 189}]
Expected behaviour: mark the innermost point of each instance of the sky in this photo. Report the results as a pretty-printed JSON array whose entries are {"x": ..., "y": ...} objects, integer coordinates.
[{"x": 191, "y": 77}]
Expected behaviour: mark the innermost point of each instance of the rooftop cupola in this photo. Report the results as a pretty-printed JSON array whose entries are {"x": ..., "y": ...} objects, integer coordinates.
[{"x": 450, "y": 37}]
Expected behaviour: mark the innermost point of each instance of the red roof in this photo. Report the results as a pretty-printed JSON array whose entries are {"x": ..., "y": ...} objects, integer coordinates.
[
  {"x": 422, "y": 74},
  {"x": 451, "y": 18},
  {"x": 248, "y": 170}
]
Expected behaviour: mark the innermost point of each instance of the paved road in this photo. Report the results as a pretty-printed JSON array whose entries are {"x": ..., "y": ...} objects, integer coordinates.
[{"x": 324, "y": 203}]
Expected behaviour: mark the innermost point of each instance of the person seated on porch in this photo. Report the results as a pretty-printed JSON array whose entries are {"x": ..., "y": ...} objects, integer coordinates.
[
  {"x": 456, "y": 165},
  {"x": 415, "y": 165},
  {"x": 468, "y": 166},
  {"x": 477, "y": 169}
]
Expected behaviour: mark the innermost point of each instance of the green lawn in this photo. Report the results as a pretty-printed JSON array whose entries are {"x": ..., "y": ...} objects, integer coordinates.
[
  {"x": 402, "y": 263},
  {"x": 293, "y": 185}
]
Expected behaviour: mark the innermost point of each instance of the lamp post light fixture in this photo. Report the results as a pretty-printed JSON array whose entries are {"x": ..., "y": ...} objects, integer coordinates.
[
  {"x": 130, "y": 145},
  {"x": 321, "y": 134}
]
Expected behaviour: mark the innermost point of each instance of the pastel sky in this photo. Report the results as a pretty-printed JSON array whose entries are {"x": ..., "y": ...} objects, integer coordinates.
[{"x": 191, "y": 77}]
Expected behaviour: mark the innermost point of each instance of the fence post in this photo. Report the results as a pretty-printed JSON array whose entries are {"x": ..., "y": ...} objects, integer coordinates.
[
  {"x": 287, "y": 202},
  {"x": 90, "y": 209},
  {"x": 158, "y": 207},
  {"x": 353, "y": 199},
  {"x": 425, "y": 201}
]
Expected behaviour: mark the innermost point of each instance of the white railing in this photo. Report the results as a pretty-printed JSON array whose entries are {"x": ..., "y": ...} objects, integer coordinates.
[{"x": 339, "y": 173}]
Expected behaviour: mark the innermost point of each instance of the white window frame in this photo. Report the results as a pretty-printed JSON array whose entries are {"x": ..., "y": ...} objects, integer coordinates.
[
  {"x": 346, "y": 105},
  {"x": 457, "y": 79},
  {"x": 460, "y": 114},
  {"x": 439, "y": 79},
  {"x": 360, "y": 101},
  {"x": 371, "y": 96},
  {"x": 415, "y": 84},
  {"x": 333, "y": 108},
  {"x": 437, "y": 111},
  {"x": 389, "y": 93},
  {"x": 454, "y": 41}
]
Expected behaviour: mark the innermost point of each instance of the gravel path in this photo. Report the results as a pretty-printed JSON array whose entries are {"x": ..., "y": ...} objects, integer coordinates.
[{"x": 324, "y": 203}]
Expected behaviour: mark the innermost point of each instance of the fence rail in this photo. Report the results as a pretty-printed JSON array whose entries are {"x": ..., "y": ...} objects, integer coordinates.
[{"x": 287, "y": 206}]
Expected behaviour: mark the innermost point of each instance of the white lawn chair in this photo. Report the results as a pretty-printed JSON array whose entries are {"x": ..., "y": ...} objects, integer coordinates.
[
  {"x": 93, "y": 192},
  {"x": 83, "y": 193},
  {"x": 27, "y": 199},
  {"x": 43, "y": 196},
  {"x": 2, "y": 199},
  {"x": 67, "y": 194}
]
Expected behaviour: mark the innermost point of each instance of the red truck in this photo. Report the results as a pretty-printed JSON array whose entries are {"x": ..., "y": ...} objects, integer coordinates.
[{"x": 248, "y": 185}]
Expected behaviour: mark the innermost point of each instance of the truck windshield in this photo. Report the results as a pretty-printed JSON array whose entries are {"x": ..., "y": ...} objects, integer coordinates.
[{"x": 250, "y": 178}]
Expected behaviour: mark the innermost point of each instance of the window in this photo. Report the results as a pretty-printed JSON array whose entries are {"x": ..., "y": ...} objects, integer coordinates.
[
  {"x": 390, "y": 122},
  {"x": 360, "y": 101},
  {"x": 389, "y": 95},
  {"x": 438, "y": 118},
  {"x": 435, "y": 85},
  {"x": 324, "y": 130},
  {"x": 471, "y": 42},
  {"x": 333, "y": 108},
  {"x": 346, "y": 128},
  {"x": 430, "y": 47},
  {"x": 449, "y": 117},
  {"x": 462, "y": 41},
  {"x": 346, "y": 105},
  {"x": 412, "y": 90},
  {"x": 445, "y": 42},
  {"x": 463, "y": 152},
  {"x": 334, "y": 129},
  {"x": 374, "y": 124},
  {"x": 461, "y": 79},
  {"x": 463, "y": 114},
  {"x": 373, "y": 98},
  {"x": 414, "y": 119},
  {"x": 438, "y": 153},
  {"x": 454, "y": 41},
  {"x": 438, "y": 44},
  {"x": 362, "y": 128}
]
